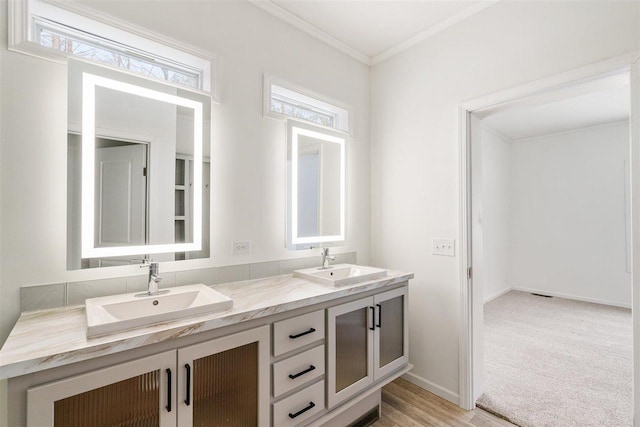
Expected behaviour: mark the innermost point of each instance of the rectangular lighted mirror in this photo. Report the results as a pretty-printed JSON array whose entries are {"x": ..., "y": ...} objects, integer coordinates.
[
  {"x": 138, "y": 169},
  {"x": 316, "y": 174}
]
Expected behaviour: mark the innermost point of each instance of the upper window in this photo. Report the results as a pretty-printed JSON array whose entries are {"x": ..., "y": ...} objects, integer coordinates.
[
  {"x": 57, "y": 31},
  {"x": 282, "y": 100}
]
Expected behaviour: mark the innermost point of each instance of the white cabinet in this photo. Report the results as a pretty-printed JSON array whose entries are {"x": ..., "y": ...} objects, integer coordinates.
[
  {"x": 143, "y": 389},
  {"x": 367, "y": 339},
  {"x": 223, "y": 379}
]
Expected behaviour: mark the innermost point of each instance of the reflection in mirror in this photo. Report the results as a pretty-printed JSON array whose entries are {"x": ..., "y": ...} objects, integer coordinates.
[
  {"x": 315, "y": 185},
  {"x": 138, "y": 169}
]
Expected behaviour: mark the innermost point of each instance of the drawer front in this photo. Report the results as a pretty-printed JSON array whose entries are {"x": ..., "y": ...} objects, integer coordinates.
[
  {"x": 297, "y": 332},
  {"x": 297, "y": 370},
  {"x": 299, "y": 407}
]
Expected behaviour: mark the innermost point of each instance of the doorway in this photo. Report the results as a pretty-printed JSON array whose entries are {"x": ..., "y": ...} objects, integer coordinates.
[
  {"x": 549, "y": 243},
  {"x": 472, "y": 298}
]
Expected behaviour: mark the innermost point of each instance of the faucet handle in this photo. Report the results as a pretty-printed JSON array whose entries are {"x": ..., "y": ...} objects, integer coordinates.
[{"x": 147, "y": 262}]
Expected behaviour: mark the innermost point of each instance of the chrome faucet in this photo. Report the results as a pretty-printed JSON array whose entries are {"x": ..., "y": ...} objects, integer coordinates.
[
  {"x": 326, "y": 258},
  {"x": 154, "y": 279}
]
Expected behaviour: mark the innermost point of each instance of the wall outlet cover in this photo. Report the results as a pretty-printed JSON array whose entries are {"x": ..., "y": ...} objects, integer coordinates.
[
  {"x": 444, "y": 247},
  {"x": 241, "y": 247}
]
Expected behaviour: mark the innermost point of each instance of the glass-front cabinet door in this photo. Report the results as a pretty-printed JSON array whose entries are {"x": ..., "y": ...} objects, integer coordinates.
[
  {"x": 391, "y": 335},
  {"x": 367, "y": 340},
  {"x": 225, "y": 382},
  {"x": 138, "y": 393},
  {"x": 350, "y": 349}
]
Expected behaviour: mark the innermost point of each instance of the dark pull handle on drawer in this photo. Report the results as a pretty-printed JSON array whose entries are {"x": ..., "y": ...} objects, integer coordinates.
[
  {"x": 373, "y": 318},
  {"x": 168, "y": 371},
  {"x": 301, "y": 334},
  {"x": 302, "y": 411},
  {"x": 379, "y": 324},
  {"x": 187, "y": 400},
  {"x": 294, "y": 376}
]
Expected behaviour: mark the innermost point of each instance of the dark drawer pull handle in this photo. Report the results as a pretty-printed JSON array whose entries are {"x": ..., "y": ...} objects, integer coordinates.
[
  {"x": 187, "y": 401},
  {"x": 294, "y": 376},
  {"x": 302, "y": 411},
  {"x": 379, "y": 325},
  {"x": 373, "y": 319},
  {"x": 168, "y": 371},
  {"x": 301, "y": 334}
]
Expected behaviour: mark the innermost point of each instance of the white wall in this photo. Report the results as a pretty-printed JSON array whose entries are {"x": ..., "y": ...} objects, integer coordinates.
[
  {"x": 568, "y": 215},
  {"x": 495, "y": 217},
  {"x": 415, "y": 155},
  {"x": 248, "y": 154}
]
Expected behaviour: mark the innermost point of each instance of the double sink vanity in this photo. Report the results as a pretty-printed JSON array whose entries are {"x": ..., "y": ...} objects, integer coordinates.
[{"x": 312, "y": 348}]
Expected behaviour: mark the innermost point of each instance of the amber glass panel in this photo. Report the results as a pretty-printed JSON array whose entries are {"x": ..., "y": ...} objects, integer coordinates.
[
  {"x": 130, "y": 403},
  {"x": 225, "y": 388},
  {"x": 351, "y": 348},
  {"x": 391, "y": 330}
]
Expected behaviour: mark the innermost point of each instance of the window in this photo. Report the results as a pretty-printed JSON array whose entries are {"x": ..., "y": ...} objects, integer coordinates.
[
  {"x": 282, "y": 100},
  {"x": 51, "y": 31}
]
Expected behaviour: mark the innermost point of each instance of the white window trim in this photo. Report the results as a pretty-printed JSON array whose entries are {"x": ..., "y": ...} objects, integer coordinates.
[
  {"x": 20, "y": 36},
  {"x": 341, "y": 111}
]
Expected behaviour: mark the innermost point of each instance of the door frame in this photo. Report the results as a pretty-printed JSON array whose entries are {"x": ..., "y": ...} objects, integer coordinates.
[{"x": 629, "y": 61}]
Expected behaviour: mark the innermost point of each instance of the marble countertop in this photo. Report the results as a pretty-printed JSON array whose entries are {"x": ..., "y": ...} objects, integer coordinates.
[{"x": 51, "y": 338}]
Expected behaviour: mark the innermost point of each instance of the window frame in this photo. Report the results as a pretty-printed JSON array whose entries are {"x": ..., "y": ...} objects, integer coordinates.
[
  {"x": 22, "y": 38},
  {"x": 341, "y": 112}
]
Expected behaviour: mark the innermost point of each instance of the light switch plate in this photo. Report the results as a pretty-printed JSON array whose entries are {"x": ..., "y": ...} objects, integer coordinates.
[
  {"x": 445, "y": 247},
  {"x": 241, "y": 248}
]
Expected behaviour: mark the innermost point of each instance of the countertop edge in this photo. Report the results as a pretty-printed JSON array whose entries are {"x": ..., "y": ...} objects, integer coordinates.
[{"x": 128, "y": 340}]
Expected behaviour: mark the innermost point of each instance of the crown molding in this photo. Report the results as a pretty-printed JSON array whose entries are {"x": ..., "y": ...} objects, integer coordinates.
[
  {"x": 431, "y": 31},
  {"x": 301, "y": 24}
]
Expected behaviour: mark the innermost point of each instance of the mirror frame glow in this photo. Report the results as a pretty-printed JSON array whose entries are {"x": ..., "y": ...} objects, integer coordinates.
[
  {"x": 89, "y": 84},
  {"x": 303, "y": 131}
]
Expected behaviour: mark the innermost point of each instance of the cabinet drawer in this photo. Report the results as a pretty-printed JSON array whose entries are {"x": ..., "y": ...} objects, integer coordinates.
[
  {"x": 295, "y": 409},
  {"x": 303, "y": 368},
  {"x": 297, "y": 332}
]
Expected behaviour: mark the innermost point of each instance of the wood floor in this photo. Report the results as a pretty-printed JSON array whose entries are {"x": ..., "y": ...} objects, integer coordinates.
[{"x": 405, "y": 404}]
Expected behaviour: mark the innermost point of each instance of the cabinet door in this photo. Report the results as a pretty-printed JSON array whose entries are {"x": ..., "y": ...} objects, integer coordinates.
[
  {"x": 225, "y": 381},
  {"x": 392, "y": 344},
  {"x": 350, "y": 349},
  {"x": 137, "y": 393}
]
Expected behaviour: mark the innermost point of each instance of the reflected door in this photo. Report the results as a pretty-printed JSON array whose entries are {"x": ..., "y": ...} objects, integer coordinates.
[
  {"x": 138, "y": 393},
  {"x": 350, "y": 347},
  {"x": 120, "y": 195},
  {"x": 225, "y": 382}
]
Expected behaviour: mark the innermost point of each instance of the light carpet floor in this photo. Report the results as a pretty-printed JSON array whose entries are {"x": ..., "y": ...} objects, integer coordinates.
[{"x": 557, "y": 362}]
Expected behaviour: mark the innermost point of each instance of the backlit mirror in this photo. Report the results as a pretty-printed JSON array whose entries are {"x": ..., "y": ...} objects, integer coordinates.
[
  {"x": 315, "y": 185},
  {"x": 138, "y": 169}
]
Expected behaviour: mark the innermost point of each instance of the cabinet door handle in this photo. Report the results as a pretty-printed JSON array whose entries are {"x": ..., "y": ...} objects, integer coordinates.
[
  {"x": 309, "y": 369},
  {"x": 301, "y": 334},
  {"x": 302, "y": 411},
  {"x": 187, "y": 400},
  {"x": 379, "y": 324},
  {"x": 373, "y": 318},
  {"x": 168, "y": 371}
]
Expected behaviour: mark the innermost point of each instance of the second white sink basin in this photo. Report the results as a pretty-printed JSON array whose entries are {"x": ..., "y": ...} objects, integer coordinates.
[
  {"x": 116, "y": 313},
  {"x": 341, "y": 274}
]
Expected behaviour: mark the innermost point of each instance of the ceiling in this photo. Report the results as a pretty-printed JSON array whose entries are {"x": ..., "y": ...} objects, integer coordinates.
[
  {"x": 592, "y": 103},
  {"x": 372, "y": 31}
]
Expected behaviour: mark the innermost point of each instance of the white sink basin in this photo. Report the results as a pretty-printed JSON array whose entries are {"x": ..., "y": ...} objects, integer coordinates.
[
  {"x": 116, "y": 313},
  {"x": 341, "y": 274}
]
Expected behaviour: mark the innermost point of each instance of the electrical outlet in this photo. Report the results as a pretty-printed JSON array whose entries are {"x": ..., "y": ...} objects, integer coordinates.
[
  {"x": 446, "y": 247},
  {"x": 241, "y": 248}
]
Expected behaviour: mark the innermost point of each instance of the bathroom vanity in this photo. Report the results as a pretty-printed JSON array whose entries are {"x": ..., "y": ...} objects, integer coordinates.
[{"x": 290, "y": 352}]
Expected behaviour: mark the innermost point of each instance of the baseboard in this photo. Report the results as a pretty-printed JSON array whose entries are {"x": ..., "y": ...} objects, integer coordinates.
[
  {"x": 573, "y": 297},
  {"x": 497, "y": 294},
  {"x": 432, "y": 387}
]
